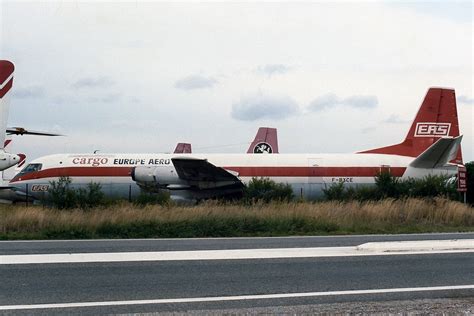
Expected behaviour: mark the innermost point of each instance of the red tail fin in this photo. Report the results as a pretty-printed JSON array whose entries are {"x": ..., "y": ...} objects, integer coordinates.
[
  {"x": 437, "y": 117},
  {"x": 183, "y": 148},
  {"x": 22, "y": 160},
  {"x": 265, "y": 142},
  {"x": 6, "y": 83}
]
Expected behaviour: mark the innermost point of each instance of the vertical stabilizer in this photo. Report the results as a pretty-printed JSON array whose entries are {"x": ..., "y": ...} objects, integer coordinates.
[
  {"x": 436, "y": 118},
  {"x": 6, "y": 83},
  {"x": 183, "y": 148},
  {"x": 265, "y": 142}
]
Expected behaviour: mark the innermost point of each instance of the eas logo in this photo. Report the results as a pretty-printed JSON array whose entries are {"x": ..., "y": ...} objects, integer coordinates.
[
  {"x": 432, "y": 129},
  {"x": 262, "y": 148}
]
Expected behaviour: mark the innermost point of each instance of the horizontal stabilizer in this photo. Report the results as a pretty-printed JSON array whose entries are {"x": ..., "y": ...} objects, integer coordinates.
[{"x": 438, "y": 154}]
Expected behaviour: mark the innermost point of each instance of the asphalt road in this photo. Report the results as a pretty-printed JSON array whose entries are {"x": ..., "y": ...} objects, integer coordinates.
[
  {"x": 125, "y": 245},
  {"x": 125, "y": 281}
]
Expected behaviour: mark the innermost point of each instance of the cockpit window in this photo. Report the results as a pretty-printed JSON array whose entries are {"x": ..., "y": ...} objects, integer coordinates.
[{"x": 31, "y": 168}]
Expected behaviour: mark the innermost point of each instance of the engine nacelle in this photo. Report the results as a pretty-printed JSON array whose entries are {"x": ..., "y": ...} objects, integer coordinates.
[
  {"x": 153, "y": 177},
  {"x": 8, "y": 160}
]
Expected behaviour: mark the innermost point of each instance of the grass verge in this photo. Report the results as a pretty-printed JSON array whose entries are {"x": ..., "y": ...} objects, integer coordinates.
[{"x": 213, "y": 219}]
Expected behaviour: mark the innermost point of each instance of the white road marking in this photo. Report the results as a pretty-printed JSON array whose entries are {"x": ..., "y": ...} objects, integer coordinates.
[
  {"x": 235, "y": 298},
  {"x": 418, "y": 245},
  {"x": 233, "y": 254}
]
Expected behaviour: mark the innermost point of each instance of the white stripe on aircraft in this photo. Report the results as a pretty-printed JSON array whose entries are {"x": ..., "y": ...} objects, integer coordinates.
[{"x": 3, "y": 84}]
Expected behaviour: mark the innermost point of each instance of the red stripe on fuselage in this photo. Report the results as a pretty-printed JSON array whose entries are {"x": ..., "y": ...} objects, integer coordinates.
[
  {"x": 76, "y": 172},
  {"x": 242, "y": 171},
  {"x": 313, "y": 171}
]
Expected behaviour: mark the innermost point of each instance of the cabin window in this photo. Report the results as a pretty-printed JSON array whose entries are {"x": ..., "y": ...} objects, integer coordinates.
[{"x": 32, "y": 167}]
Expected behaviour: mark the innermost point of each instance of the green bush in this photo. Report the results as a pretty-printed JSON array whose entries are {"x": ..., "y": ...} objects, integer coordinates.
[
  {"x": 145, "y": 198},
  {"x": 388, "y": 186},
  {"x": 266, "y": 190},
  {"x": 335, "y": 192},
  {"x": 430, "y": 186},
  {"x": 90, "y": 196},
  {"x": 62, "y": 196},
  {"x": 470, "y": 182},
  {"x": 362, "y": 193}
]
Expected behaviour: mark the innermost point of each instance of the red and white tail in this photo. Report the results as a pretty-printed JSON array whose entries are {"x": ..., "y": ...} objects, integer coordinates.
[
  {"x": 436, "y": 118},
  {"x": 183, "y": 148},
  {"x": 6, "y": 83},
  {"x": 7, "y": 142},
  {"x": 265, "y": 142},
  {"x": 22, "y": 161}
]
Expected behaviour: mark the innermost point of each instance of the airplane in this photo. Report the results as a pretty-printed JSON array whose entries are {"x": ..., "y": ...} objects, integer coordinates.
[{"x": 431, "y": 147}]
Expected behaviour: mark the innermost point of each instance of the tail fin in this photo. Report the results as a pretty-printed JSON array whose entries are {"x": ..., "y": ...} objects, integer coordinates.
[
  {"x": 183, "y": 148},
  {"x": 265, "y": 142},
  {"x": 6, "y": 143},
  {"x": 436, "y": 118},
  {"x": 22, "y": 161},
  {"x": 6, "y": 83}
]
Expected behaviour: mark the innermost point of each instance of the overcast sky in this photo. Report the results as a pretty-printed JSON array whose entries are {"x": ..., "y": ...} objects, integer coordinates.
[{"x": 140, "y": 77}]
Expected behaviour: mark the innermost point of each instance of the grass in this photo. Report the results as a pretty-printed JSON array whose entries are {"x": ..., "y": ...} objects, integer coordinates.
[{"x": 213, "y": 219}]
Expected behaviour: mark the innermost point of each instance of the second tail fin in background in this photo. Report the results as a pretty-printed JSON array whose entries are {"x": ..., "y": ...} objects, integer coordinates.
[
  {"x": 183, "y": 148},
  {"x": 265, "y": 142}
]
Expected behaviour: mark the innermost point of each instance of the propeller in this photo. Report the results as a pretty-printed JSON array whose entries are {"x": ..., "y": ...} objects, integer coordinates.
[{"x": 24, "y": 131}]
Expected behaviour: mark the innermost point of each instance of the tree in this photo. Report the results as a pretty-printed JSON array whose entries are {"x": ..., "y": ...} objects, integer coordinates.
[{"x": 61, "y": 195}]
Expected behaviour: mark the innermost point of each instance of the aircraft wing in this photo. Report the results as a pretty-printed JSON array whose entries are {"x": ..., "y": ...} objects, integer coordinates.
[
  {"x": 24, "y": 131},
  {"x": 203, "y": 174}
]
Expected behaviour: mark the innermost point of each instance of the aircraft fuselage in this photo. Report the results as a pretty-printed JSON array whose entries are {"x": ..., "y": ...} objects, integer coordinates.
[{"x": 308, "y": 174}]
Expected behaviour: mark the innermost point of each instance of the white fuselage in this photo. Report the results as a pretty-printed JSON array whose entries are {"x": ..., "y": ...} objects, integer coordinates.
[{"x": 308, "y": 174}]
